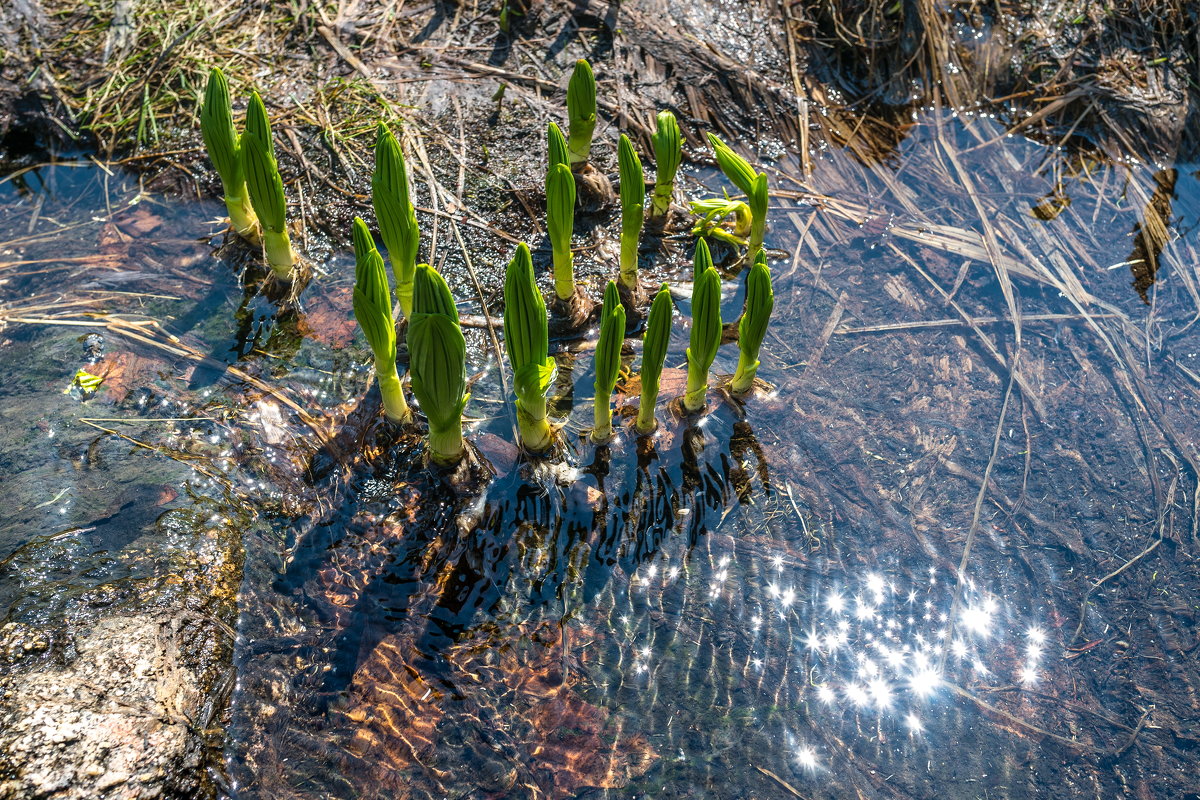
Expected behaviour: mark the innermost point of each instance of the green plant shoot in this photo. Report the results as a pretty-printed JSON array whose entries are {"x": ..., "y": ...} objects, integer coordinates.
[
  {"x": 706, "y": 327},
  {"x": 714, "y": 210},
  {"x": 438, "y": 363},
  {"x": 608, "y": 360},
  {"x": 760, "y": 301},
  {"x": 225, "y": 150},
  {"x": 581, "y": 112},
  {"x": 633, "y": 209},
  {"x": 556, "y": 147},
  {"x": 560, "y": 222},
  {"x": 668, "y": 153},
  {"x": 654, "y": 355},
  {"x": 266, "y": 188},
  {"x": 373, "y": 310},
  {"x": 527, "y": 341},
  {"x": 395, "y": 214},
  {"x": 753, "y": 184}
]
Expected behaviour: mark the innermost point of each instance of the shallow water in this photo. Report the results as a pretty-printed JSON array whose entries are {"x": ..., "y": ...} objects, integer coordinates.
[{"x": 762, "y": 603}]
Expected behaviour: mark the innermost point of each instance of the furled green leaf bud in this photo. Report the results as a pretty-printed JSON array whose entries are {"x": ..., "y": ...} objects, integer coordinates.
[
  {"x": 526, "y": 340},
  {"x": 654, "y": 355},
  {"x": 668, "y": 153},
  {"x": 758, "y": 210},
  {"x": 581, "y": 111},
  {"x": 438, "y": 363},
  {"x": 706, "y": 327},
  {"x": 266, "y": 189},
  {"x": 736, "y": 168},
  {"x": 395, "y": 214},
  {"x": 560, "y": 222},
  {"x": 224, "y": 148},
  {"x": 608, "y": 360},
  {"x": 760, "y": 301},
  {"x": 556, "y": 147},
  {"x": 633, "y": 209},
  {"x": 373, "y": 310}
]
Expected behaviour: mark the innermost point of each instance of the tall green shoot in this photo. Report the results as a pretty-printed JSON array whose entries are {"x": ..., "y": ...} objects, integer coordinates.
[
  {"x": 395, "y": 214},
  {"x": 560, "y": 222},
  {"x": 225, "y": 150},
  {"x": 581, "y": 112},
  {"x": 633, "y": 209},
  {"x": 760, "y": 301},
  {"x": 266, "y": 188},
  {"x": 706, "y": 327},
  {"x": 526, "y": 339},
  {"x": 654, "y": 355},
  {"x": 608, "y": 361},
  {"x": 438, "y": 364},
  {"x": 373, "y": 310},
  {"x": 668, "y": 153}
]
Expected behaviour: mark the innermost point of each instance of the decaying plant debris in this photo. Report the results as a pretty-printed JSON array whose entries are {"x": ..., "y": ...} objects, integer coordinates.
[{"x": 993, "y": 281}]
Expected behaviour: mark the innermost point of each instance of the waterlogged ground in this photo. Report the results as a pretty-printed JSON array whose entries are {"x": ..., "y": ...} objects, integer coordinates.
[{"x": 981, "y": 345}]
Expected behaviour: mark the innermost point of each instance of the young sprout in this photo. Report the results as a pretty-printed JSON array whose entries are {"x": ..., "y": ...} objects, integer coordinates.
[
  {"x": 743, "y": 176},
  {"x": 654, "y": 354},
  {"x": 556, "y": 147},
  {"x": 438, "y": 363},
  {"x": 527, "y": 342},
  {"x": 706, "y": 327},
  {"x": 225, "y": 150},
  {"x": 395, "y": 214},
  {"x": 266, "y": 188},
  {"x": 668, "y": 152},
  {"x": 581, "y": 112},
  {"x": 760, "y": 300},
  {"x": 560, "y": 222},
  {"x": 608, "y": 360},
  {"x": 633, "y": 200},
  {"x": 714, "y": 210},
  {"x": 373, "y": 310}
]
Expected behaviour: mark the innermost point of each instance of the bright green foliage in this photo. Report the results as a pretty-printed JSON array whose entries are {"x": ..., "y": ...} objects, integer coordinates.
[
  {"x": 527, "y": 341},
  {"x": 706, "y": 327},
  {"x": 438, "y": 363},
  {"x": 266, "y": 188},
  {"x": 715, "y": 209},
  {"x": 225, "y": 150},
  {"x": 633, "y": 209},
  {"x": 560, "y": 222},
  {"x": 394, "y": 211},
  {"x": 608, "y": 360},
  {"x": 760, "y": 300},
  {"x": 556, "y": 147},
  {"x": 743, "y": 176},
  {"x": 373, "y": 310},
  {"x": 668, "y": 153},
  {"x": 581, "y": 112},
  {"x": 654, "y": 354}
]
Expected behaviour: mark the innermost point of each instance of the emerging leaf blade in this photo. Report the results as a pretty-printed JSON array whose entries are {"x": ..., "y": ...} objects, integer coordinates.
[
  {"x": 654, "y": 355},
  {"x": 220, "y": 137},
  {"x": 395, "y": 213},
  {"x": 581, "y": 111},
  {"x": 668, "y": 153},
  {"x": 736, "y": 168},
  {"x": 556, "y": 147},
  {"x": 633, "y": 208}
]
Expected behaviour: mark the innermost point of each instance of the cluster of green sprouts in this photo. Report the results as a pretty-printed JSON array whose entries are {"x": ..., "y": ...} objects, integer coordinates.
[
  {"x": 254, "y": 199},
  {"x": 249, "y": 173}
]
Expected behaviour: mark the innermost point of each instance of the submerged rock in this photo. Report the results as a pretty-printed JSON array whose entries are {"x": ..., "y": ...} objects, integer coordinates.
[{"x": 118, "y": 720}]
